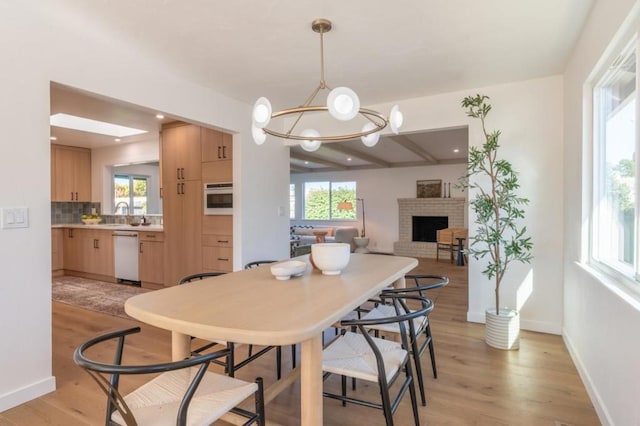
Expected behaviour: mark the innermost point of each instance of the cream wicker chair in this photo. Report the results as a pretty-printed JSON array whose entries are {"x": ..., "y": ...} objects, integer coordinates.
[
  {"x": 184, "y": 393},
  {"x": 362, "y": 356},
  {"x": 446, "y": 241}
]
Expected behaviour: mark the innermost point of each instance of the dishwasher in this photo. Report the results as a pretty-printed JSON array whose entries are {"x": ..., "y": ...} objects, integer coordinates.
[{"x": 125, "y": 251}]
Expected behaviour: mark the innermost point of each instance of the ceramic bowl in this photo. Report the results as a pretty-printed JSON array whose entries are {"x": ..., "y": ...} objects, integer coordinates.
[
  {"x": 331, "y": 258},
  {"x": 285, "y": 270}
]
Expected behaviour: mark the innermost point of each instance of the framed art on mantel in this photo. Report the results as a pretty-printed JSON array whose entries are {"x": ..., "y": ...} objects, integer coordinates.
[{"x": 431, "y": 188}]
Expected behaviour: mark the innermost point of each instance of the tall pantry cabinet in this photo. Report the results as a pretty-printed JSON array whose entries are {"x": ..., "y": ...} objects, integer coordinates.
[{"x": 182, "y": 192}]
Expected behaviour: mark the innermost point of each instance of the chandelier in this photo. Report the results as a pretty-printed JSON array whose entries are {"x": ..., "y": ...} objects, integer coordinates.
[{"x": 342, "y": 104}]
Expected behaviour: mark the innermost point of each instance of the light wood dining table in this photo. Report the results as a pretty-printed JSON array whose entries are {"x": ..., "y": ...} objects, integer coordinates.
[{"x": 252, "y": 307}]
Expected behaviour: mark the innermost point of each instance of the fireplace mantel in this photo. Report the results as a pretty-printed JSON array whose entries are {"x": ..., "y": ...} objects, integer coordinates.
[{"x": 453, "y": 208}]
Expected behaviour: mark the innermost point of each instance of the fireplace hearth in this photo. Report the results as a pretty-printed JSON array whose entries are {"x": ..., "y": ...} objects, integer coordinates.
[{"x": 413, "y": 241}]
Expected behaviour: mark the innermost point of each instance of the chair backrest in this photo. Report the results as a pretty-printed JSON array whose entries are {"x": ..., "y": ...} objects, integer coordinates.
[
  {"x": 199, "y": 276},
  {"x": 115, "y": 402},
  {"x": 423, "y": 282},
  {"x": 449, "y": 235},
  {"x": 404, "y": 318},
  {"x": 257, "y": 263}
]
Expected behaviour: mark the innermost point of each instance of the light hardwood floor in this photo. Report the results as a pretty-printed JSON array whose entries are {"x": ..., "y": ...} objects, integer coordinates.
[{"x": 477, "y": 385}]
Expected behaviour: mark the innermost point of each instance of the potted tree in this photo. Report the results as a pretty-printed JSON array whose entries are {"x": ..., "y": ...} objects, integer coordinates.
[{"x": 499, "y": 234}]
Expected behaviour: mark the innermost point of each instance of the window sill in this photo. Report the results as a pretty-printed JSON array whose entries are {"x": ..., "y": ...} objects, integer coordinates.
[{"x": 619, "y": 285}]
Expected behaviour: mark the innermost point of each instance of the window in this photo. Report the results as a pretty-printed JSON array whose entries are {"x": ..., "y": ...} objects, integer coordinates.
[
  {"x": 322, "y": 199},
  {"x": 292, "y": 201},
  {"x": 614, "y": 238},
  {"x": 132, "y": 190}
]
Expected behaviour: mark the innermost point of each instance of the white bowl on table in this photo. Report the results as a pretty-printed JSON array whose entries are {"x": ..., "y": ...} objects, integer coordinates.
[
  {"x": 285, "y": 270},
  {"x": 331, "y": 258}
]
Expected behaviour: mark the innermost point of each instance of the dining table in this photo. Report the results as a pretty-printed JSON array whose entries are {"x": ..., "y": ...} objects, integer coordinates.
[{"x": 253, "y": 307}]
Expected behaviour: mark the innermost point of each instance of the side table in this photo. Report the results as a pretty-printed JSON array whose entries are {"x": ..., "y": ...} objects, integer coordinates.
[
  {"x": 320, "y": 236},
  {"x": 361, "y": 244},
  {"x": 460, "y": 260}
]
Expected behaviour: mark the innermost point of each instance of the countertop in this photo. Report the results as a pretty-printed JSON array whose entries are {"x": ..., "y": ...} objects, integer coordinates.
[{"x": 111, "y": 227}]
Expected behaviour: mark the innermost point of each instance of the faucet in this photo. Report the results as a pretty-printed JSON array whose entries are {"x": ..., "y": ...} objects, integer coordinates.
[{"x": 126, "y": 205}]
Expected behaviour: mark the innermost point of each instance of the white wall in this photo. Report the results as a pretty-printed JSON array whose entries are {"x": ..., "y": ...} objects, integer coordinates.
[
  {"x": 600, "y": 323},
  {"x": 44, "y": 42},
  {"x": 380, "y": 189}
]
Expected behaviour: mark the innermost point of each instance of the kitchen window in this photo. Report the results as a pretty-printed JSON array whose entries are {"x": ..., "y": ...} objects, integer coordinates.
[{"x": 132, "y": 190}]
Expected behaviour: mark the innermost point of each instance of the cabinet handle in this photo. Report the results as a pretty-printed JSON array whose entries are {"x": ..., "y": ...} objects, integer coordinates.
[
  {"x": 224, "y": 151},
  {"x": 182, "y": 172},
  {"x": 221, "y": 241},
  {"x": 140, "y": 247},
  {"x": 219, "y": 157},
  {"x": 178, "y": 173},
  {"x": 178, "y": 188},
  {"x": 223, "y": 260},
  {"x": 76, "y": 196},
  {"x": 70, "y": 233},
  {"x": 182, "y": 188},
  {"x": 149, "y": 236},
  {"x": 71, "y": 195}
]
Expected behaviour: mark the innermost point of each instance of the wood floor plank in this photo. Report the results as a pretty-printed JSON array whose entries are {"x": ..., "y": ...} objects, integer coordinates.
[{"x": 477, "y": 385}]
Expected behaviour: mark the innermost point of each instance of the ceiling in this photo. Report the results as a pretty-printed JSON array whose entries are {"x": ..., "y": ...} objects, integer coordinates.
[{"x": 385, "y": 51}]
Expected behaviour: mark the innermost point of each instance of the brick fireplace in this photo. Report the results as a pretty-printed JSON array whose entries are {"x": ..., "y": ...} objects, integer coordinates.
[{"x": 451, "y": 208}]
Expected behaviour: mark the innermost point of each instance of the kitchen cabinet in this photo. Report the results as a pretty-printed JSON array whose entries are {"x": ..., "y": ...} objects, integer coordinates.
[
  {"x": 182, "y": 216},
  {"x": 181, "y": 153},
  {"x": 217, "y": 243},
  {"x": 151, "y": 259},
  {"x": 89, "y": 252},
  {"x": 182, "y": 193},
  {"x": 217, "y": 156},
  {"x": 71, "y": 173},
  {"x": 57, "y": 252}
]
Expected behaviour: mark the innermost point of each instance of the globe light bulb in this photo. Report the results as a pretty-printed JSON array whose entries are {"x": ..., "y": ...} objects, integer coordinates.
[
  {"x": 261, "y": 112},
  {"x": 395, "y": 119},
  {"x": 370, "y": 139},
  {"x": 259, "y": 136},
  {"x": 310, "y": 144},
  {"x": 343, "y": 103}
]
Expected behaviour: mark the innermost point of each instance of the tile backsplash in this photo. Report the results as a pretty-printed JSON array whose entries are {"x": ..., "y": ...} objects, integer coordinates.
[{"x": 66, "y": 213}]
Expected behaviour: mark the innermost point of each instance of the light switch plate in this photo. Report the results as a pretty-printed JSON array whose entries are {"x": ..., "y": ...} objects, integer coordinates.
[{"x": 14, "y": 217}]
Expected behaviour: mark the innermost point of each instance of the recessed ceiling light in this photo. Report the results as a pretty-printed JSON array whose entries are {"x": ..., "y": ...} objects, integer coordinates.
[
  {"x": 456, "y": 150},
  {"x": 349, "y": 159},
  {"x": 93, "y": 126},
  {"x": 306, "y": 162},
  {"x": 53, "y": 138},
  {"x": 117, "y": 139},
  {"x": 159, "y": 116}
]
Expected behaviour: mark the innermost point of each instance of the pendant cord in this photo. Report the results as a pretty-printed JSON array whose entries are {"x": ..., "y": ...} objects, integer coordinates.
[{"x": 322, "y": 83}]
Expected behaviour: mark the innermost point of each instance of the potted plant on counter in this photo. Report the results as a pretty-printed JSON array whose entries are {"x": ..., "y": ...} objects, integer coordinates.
[{"x": 499, "y": 234}]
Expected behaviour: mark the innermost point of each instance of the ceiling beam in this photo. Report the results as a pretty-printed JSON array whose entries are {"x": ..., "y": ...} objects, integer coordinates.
[
  {"x": 300, "y": 169},
  {"x": 355, "y": 153},
  {"x": 317, "y": 160},
  {"x": 413, "y": 147}
]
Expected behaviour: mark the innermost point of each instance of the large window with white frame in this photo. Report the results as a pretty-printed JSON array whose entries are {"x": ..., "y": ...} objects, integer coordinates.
[
  {"x": 614, "y": 233},
  {"x": 322, "y": 200}
]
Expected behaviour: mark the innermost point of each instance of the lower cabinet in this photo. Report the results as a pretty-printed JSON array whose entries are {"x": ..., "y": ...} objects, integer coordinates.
[
  {"x": 89, "y": 251},
  {"x": 151, "y": 259},
  {"x": 217, "y": 252},
  {"x": 57, "y": 250}
]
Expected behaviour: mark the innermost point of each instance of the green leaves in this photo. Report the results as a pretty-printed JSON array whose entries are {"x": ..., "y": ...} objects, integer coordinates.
[{"x": 496, "y": 204}]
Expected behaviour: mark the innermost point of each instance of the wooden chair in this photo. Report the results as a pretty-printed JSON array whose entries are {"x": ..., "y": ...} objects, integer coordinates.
[
  {"x": 183, "y": 393},
  {"x": 422, "y": 326},
  {"x": 381, "y": 361},
  {"x": 231, "y": 366},
  {"x": 446, "y": 241}
]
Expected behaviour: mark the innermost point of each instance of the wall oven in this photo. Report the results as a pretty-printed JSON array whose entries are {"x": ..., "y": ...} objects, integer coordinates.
[{"x": 218, "y": 198}]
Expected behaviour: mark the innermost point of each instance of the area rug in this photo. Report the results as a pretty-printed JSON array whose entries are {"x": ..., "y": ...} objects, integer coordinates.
[{"x": 94, "y": 295}]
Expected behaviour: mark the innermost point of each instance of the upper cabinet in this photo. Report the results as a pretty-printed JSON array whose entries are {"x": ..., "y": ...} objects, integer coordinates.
[
  {"x": 181, "y": 157},
  {"x": 70, "y": 173},
  {"x": 217, "y": 156}
]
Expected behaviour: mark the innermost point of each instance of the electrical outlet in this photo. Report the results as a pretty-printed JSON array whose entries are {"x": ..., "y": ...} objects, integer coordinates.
[{"x": 14, "y": 217}]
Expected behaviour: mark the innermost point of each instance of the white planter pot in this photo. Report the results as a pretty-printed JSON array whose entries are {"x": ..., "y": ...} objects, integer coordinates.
[{"x": 503, "y": 331}]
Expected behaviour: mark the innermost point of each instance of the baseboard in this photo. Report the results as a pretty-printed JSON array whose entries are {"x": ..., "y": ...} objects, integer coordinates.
[
  {"x": 27, "y": 393},
  {"x": 537, "y": 326},
  {"x": 596, "y": 400}
]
